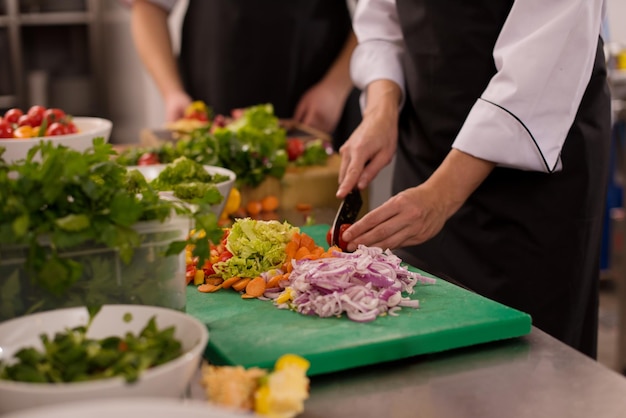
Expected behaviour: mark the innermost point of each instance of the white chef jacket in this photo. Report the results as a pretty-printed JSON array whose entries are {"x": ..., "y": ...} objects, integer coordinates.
[{"x": 544, "y": 56}]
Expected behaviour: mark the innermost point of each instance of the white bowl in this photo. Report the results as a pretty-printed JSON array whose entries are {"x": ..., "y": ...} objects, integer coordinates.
[
  {"x": 170, "y": 380},
  {"x": 89, "y": 128},
  {"x": 150, "y": 172}
]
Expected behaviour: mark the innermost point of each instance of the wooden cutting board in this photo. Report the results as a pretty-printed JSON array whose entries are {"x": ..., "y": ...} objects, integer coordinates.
[{"x": 255, "y": 333}]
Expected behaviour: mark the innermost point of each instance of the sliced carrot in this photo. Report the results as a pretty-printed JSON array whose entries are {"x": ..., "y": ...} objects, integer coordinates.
[
  {"x": 296, "y": 238},
  {"x": 302, "y": 252},
  {"x": 273, "y": 282},
  {"x": 241, "y": 284},
  {"x": 256, "y": 287},
  {"x": 318, "y": 251},
  {"x": 269, "y": 203},
  {"x": 304, "y": 207},
  {"x": 227, "y": 284},
  {"x": 215, "y": 281},
  {"x": 307, "y": 241},
  {"x": 253, "y": 207},
  {"x": 208, "y": 288},
  {"x": 290, "y": 249},
  {"x": 247, "y": 296}
]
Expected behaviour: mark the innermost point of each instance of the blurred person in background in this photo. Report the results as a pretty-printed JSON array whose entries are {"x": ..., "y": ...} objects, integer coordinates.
[
  {"x": 498, "y": 114},
  {"x": 294, "y": 54}
]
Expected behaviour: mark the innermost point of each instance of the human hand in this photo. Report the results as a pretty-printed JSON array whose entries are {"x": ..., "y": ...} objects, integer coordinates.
[
  {"x": 409, "y": 218},
  {"x": 175, "y": 105},
  {"x": 369, "y": 149},
  {"x": 320, "y": 107}
]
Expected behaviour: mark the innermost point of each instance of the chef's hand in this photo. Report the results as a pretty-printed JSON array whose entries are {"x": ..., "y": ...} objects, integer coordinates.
[
  {"x": 415, "y": 215},
  {"x": 175, "y": 105},
  {"x": 321, "y": 107},
  {"x": 372, "y": 145}
]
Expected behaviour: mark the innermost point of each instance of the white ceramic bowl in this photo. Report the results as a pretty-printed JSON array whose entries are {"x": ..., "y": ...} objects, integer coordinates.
[
  {"x": 89, "y": 128},
  {"x": 150, "y": 172},
  {"x": 169, "y": 380}
]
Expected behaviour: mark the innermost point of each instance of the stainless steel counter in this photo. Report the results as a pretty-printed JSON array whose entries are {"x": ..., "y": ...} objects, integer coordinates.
[
  {"x": 530, "y": 377},
  {"x": 534, "y": 376}
]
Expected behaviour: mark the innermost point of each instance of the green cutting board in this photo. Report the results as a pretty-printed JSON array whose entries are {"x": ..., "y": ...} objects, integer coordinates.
[{"x": 252, "y": 332}]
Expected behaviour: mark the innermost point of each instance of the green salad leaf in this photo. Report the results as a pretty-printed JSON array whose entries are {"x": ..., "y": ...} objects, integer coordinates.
[{"x": 256, "y": 247}]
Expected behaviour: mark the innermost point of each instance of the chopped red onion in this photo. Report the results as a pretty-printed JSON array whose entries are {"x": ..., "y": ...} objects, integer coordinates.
[{"x": 364, "y": 284}]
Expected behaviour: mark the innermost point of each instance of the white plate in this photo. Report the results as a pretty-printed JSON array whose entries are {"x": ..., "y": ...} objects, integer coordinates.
[{"x": 131, "y": 408}]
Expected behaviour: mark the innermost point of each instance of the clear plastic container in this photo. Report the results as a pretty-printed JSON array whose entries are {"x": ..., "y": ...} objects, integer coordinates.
[{"x": 150, "y": 278}]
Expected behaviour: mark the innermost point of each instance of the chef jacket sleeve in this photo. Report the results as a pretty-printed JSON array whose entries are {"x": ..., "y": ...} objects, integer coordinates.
[
  {"x": 379, "y": 52},
  {"x": 544, "y": 57}
]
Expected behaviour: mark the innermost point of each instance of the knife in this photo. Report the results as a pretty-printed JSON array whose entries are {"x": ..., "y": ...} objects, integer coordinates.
[{"x": 347, "y": 214}]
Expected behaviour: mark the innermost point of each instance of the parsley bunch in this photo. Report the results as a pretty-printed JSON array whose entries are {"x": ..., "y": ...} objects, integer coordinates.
[{"x": 59, "y": 198}]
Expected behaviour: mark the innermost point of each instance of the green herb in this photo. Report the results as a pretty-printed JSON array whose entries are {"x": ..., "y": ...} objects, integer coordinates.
[
  {"x": 58, "y": 200},
  {"x": 71, "y": 356}
]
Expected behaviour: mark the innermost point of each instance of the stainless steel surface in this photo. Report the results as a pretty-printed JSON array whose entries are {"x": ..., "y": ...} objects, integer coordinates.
[
  {"x": 529, "y": 377},
  {"x": 534, "y": 376}
]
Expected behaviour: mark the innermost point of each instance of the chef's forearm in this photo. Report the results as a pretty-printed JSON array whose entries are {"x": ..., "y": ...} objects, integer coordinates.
[
  {"x": 457, "y": 178},
  {"x": 382, "y": 98},
  {"x": 154, "y": 45},
  {"x": 338, "y": 75}
]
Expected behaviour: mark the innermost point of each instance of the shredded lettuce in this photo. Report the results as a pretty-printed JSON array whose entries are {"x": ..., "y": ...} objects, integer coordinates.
[{"x": 257, "y": 246}]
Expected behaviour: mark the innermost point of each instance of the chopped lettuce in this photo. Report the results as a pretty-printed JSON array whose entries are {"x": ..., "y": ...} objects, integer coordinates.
[{"x": 257, "y": 246}]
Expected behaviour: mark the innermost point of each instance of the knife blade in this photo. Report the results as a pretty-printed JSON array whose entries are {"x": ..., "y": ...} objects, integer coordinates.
[{"x": 346, "y": 214}]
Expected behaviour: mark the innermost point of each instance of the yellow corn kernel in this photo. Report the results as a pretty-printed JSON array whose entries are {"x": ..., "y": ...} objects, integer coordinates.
[{"x": 198, "y": 279}]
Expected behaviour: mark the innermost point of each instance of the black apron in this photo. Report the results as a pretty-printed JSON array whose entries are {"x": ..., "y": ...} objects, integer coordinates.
[
  {"x": 526, "y": 239},
  {"x": 239, "y": 53}
]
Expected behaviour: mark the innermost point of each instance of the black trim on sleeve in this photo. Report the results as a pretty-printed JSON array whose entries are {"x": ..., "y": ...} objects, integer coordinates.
[{"x": 550, "y": 170}]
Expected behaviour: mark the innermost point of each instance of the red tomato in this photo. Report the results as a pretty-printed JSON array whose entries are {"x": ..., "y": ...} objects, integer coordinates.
[
  {"x": 219, "y": 121},
  {"x": 6, "y": 130},
  {"x": 342, "y": 244},
  {"x": 295, "y": 148},
  {"x": 71, "y": 128},
  {"x": 24, "y": 120},
  {"x": 148, "y": 158},
  {"x": 53, "y": 115},
  {"x": 13, "y": 115},
  {"x": 35, "y": 114},
  {"x": 56, "y": 128},
  {"x": 225, "y": 256},
  {"x": 197, "y": 115}
]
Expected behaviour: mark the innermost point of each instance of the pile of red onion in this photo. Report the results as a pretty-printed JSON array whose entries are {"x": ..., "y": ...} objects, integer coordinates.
[{"x": 364, "y": 284}]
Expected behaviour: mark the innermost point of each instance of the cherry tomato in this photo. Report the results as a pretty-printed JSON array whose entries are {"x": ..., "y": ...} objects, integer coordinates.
[
  {"x": 342, "y": 244},
  {"x": 71, "y": 128},
  {"x": 295, "y": 148},
  {"x": 24, "y": 120},
  {"x": 56, "y": 128},
  {"x": 53, "y": 115},
  {"x": 6, "y": 130},
  {"x": 197, "y": 115},
  {"x": 35, "y": 114},
  {"x": 13, "y": 115},
  {"x": 148, "y": 158}
]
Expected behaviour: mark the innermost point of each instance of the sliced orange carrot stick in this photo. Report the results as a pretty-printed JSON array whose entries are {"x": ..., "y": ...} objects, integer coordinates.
[
  {"x": 247, "y": 296},
  {"x": 290, "y": 249},
  {"x": 302, "y": 251},
  {"x": 307, "y": 241},
  {"x": 230, "y": 281},
  {"x": 214, "y": 280},
  {"x": 273, "y": 282},
  {"x": 241, "y": 284},
  {"x": 256, "y": 287},
  {"x": 208, "y": 288}
]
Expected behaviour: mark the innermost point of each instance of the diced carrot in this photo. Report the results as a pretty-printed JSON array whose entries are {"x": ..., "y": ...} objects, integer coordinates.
[
  {"x": 256, "y": 287},
  {"x": 273, "y": 282},
  {"x": 241, "y": 284},
  {"x": 290, "y": 249},
  {"x": 214, "y": 280},
  {"x": 208, "y": 288},
  {"x": 307, "y": 241},
  {"x": 230, "y": 281},
  {"x": 302, "y": 251}
]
